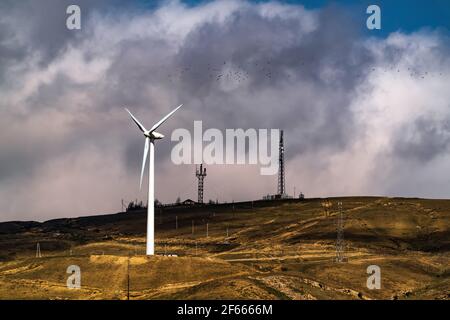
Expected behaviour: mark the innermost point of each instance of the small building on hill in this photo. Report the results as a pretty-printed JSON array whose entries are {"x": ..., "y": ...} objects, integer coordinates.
[{"x": 189, "y": 202}]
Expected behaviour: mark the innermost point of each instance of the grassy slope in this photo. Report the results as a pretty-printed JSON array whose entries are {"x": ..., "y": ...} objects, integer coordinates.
[{"x": 283, "y": 251}]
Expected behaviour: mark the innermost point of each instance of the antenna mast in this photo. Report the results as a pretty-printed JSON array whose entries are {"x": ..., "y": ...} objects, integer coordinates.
[
  {"x": 200, "y": 174},
  {"x": 281, "y": 178}
]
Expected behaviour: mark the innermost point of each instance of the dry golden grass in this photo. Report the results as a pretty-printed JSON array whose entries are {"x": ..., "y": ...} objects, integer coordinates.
[{"x": 285, "y": 251}]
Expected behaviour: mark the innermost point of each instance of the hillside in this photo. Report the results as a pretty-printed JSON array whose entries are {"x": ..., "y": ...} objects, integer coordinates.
[{"x": 274, "y": 250}]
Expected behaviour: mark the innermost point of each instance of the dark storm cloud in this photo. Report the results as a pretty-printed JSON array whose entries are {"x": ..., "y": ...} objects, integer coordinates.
[
  {"x": 233, "y": 64},
  {"x": 277, "y": 54},
  {"x": 11, "y": 52},
  {"x": 43, "y": 23},
  {"x": 423, "y": 140}
]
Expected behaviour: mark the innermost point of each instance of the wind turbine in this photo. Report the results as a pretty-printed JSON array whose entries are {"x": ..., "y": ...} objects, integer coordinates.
[{"x": 150, "y": 137}]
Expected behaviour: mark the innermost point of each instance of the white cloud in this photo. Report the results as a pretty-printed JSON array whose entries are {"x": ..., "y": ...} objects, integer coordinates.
[{"x": 346, "y": 107}]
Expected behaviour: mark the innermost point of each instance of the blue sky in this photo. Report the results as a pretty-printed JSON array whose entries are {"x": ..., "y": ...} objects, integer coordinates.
[{"x": 404, "y": 15}]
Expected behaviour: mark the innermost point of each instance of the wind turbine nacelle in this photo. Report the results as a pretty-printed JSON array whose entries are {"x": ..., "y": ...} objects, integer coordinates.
[{"x": 154, "y": 135}]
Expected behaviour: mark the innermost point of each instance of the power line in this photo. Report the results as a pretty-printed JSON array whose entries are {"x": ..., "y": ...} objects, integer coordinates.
[
  {"x": 38, "y": 250},
  {"x": 340, "y": 245},
  {"x": 128, "y": 279}
]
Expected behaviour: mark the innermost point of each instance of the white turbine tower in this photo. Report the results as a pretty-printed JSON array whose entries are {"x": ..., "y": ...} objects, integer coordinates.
[{"x": 150, "y": 136}]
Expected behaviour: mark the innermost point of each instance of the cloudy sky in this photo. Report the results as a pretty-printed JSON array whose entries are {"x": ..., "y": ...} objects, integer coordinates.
[{"x": 364, "y": 112}]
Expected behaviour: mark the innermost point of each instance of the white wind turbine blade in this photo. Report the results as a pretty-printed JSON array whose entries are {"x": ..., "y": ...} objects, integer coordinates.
[
  {"x": 140, "y": 126},
  {"x": 160, "y": 122},
  {"x": 144, "y": 159}
]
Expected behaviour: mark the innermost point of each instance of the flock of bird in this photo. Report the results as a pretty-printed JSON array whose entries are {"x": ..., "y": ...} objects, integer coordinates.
[
  {"x": 410, "y": 71},
  {"x": 227, "y": 71}
]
